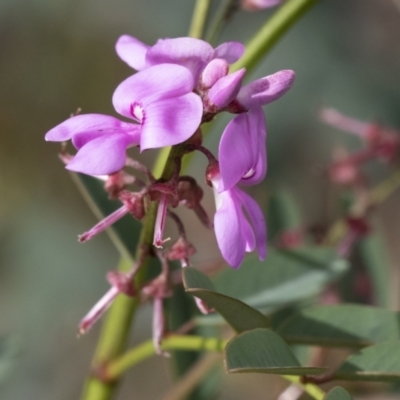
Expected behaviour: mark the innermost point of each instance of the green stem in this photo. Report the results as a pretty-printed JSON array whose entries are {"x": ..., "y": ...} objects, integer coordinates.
[
  {"x": 271, "y": 32},
  {"x": 115, "y": 331},
  {"x": 314, "y": 391},
  {"x": 199, "y": 18},
  {"x": 223, "y": 14},
  {"x": 146, "y": 350},
  {"x": 186, "y": 342}
]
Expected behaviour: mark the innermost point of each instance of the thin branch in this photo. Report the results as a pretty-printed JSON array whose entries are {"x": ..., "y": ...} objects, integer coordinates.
[
  {"x": 199, "y": 18},
  {"x": 191, "y": 379}
]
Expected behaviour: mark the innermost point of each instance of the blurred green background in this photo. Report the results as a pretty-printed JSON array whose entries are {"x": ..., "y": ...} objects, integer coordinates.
[{"x": 56, "y": 56}]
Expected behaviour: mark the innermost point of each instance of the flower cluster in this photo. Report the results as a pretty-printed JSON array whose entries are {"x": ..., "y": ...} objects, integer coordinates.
[{"x": 180, "y": 84}]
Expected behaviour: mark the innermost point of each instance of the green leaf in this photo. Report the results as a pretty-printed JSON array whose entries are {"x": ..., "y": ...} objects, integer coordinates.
[
  {"x": 376, "y": 363},
  {"x": 236, "y": 313},
  {"x": 374, "y": 256},
  {"x": 195, "y": 279},
  {"x": 262, "y": 350},
  {"x": 338, "y": 393},
  {"x": 347, "y": 325},
  {"x": 284, "y": 277}
]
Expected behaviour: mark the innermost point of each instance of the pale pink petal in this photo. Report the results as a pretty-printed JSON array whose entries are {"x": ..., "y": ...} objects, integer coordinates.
[
  {"x": 132, "y": 51},
  {"x": 229, "y": 51}
]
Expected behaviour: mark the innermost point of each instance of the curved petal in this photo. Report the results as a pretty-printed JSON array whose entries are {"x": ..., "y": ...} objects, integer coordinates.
[
  {"x": 226, "y": 88},
  {"x": 80, "y": 139},
  {"x": 157, "y": 82},
  {"x": 171, "y": 121},
  {"x": 102, "y": 156},
  {"x": 132, "y": 51},
  {"x": 257, "y": 128},
  {"x": 257, "y": 221},
  {"x": 83, "y": 123},
  {"x": 228, "y": 230},
  {"x": 229, "y": 51},
  {"x": 236, "y": 152},
  {"x": 266, "y": 90},
  {"x": 214, "y": 70},
  {"x": 191, "y": 53}
]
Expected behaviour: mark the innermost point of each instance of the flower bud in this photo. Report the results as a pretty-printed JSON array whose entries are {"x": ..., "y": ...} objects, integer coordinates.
[{"x": 214, "y": 71}]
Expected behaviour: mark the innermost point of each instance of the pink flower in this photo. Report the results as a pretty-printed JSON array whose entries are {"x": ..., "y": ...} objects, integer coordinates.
[
  {"x": 236, "y": 234},
  {"x": 160, "y": 98},
  {"x": 191, "y": 53},
  {"x": 101, "y": 142},
  {"x": 242, "y": 150}
]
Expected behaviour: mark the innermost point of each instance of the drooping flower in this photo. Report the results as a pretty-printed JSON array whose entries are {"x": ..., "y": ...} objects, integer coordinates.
[
  {"x": 242, "y": 150},
  {"x": 191, "y": 53},
  {"x": 101, "y": 141},
  {"x": 160, "y": 98},
  {"x": 236, "y": 234}
]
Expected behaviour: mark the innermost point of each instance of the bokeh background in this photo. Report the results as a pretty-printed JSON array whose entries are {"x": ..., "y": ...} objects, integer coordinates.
[{"x": 58, "y": 55}]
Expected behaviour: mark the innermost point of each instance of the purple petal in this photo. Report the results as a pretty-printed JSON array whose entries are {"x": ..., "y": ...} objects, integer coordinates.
[
  {"x": 83, "y": 123},
  {"x": 214, "y": 70},
  {"x": 229, "y": 51},
  {"x": 191, "y": 53},
  {"x": 132, "y": 51},
  {"x": 242, "y": 150},
  {"x": 257, "y": 221},
  {"x": 228, "y": 230},
  {"x": 80, "y": 139},
  {"x": 236, "y": 152},
  {"x": 265, "y": 90},
  {"x": 257, "y": 128},
  {"x": 226, "y": 89},
  {"x": 248, "y": 234},
  {"x": 158, "y": 82},
  {"x": 171, "y": 121},
  {"x": 102, "y": 156}
]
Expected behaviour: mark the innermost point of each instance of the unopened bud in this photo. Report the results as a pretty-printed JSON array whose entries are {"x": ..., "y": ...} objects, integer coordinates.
[{"x": 214, "y": 70}]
